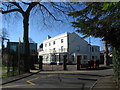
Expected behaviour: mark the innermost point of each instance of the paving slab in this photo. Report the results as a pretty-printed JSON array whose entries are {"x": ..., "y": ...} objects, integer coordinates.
[{"x": 106, "y": 83}]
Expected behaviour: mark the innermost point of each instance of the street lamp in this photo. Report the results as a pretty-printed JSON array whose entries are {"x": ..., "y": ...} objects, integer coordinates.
[
  {"x": 90, "y": 45},
  {"x": 3, "y": 44}
]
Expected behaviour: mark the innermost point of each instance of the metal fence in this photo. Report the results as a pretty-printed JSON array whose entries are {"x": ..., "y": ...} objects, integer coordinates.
[{"x": 13, "y": 58}]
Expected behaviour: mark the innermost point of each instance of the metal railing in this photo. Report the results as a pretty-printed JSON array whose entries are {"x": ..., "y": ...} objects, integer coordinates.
[{"x": 64, "y": 50}]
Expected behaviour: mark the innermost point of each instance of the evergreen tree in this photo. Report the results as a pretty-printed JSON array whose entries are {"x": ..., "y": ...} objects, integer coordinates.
[{"x": 101, "y": 20}]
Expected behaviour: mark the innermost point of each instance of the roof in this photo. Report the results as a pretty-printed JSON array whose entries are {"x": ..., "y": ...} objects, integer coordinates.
[{"x": 55, "y": 37}]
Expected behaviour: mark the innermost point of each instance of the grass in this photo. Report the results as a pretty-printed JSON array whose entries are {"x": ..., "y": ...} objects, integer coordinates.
[
  {"x": 3, "y": 68},
  {"x": 9, "y": 74}
]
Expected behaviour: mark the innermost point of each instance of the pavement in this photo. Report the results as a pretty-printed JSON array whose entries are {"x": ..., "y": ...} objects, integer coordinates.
[
  {"x": 18, "y": 77},
  {"x": 104, "y": 83}
]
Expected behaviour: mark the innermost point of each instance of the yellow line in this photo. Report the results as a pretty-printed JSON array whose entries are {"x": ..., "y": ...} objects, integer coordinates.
[
  {"x": 13, "y": 86},
  {"x": 51, "y": 75},
  {"x": 29, "y": 81}
]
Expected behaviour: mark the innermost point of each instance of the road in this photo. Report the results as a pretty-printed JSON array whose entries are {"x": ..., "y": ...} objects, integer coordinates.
[{"x": 61, "y": 79}]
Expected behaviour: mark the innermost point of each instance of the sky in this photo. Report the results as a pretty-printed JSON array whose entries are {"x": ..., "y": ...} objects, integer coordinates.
[{"x": 37, "y": 30}]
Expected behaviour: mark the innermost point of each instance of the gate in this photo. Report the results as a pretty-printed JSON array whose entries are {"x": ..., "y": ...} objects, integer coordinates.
[
  {"x": 53, "y": 66},
  {"x": 59, "y": 66}
]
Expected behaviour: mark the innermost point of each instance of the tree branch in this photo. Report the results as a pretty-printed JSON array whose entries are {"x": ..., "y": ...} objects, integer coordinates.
[
  {"x": 49, "y": 12},
  {"x": 31, "y": 5},
  {"x": 17, "y": 4},
  {"x": 43, "y": 16},
  {"x": 12, "y": 10},
  {"x": 26, "y": 3}
]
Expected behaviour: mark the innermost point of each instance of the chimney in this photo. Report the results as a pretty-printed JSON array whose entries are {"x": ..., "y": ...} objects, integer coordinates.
[{"x": 48, "y": 37}]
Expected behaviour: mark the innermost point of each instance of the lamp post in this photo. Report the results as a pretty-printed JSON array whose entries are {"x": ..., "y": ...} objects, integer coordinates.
[
  {"x": 19, "y": 49},
  {"x": 90, "y": 45},
  {"x": 3, "y": 44},
  {"x": 8, "y": 52}
]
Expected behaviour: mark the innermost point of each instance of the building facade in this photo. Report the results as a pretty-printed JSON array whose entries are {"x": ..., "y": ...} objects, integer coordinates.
[{"x": 69, "y": 44}]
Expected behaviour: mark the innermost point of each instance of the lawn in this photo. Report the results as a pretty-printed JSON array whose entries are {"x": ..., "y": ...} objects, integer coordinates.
[
  {"x": 9, "y": 74},
  {"x": 3, "y": 68}
]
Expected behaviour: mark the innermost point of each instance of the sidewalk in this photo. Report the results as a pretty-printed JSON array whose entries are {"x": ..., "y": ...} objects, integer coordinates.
[
  {"x": 105, "y": 83},
  {"x": 18, "y": 77}
]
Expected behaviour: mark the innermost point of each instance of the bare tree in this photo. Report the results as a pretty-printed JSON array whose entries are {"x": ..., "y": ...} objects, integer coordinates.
[
  {"x": 31, "y": 40},
  {"x": 3, "y": 36},
  {"x": 25, "y": 9},
  {"x": 3, "y": 33}
]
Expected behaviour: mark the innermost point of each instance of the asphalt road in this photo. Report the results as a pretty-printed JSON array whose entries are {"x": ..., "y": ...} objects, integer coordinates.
[{"x": 61, "y": 79}]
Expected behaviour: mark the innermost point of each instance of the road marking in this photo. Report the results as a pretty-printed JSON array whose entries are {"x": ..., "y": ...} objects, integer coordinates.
[
  {"x": 51, "y": 75},
  {"x": 29, "y": 81},
  {"x": 13, "y": 86},
  {"x": 64, "y": 72}
]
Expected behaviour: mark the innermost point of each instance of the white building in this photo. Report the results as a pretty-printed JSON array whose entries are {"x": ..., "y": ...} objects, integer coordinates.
[{"x": 69, "y": 44}]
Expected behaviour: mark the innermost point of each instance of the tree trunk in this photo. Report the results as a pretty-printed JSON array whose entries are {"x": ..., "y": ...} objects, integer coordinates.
[
  {"x": 26, "y": 42},
  {"x": 106, "y": 57}
]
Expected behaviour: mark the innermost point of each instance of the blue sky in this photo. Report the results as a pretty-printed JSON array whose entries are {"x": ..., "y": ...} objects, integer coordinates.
[{"x": 37, "y": 30}]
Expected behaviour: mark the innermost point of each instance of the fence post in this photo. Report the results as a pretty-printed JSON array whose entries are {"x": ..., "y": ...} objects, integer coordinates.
[
  {"x": 40, "y": 62},
  {"x": 19, "y": 58},
  {"x": 78, "y": 62},
  {"x": 64, "y": 62},
  {"x": 59, "y": 58},
  {"x": 9, "y": 59}
]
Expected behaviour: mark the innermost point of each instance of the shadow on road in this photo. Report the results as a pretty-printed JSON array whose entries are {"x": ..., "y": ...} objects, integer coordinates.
[
  {"x": 100, "y": 68},
  {"x": 87, "y": 79}
]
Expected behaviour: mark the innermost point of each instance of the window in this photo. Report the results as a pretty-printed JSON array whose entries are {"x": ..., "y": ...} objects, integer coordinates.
[
  {"x": 45, "y": 45},
  {"x": 49, "y": 44},
  {"x": 92, "y": 49},
  {"x": 53, "y": 57},
  {"x": 85, "y": 57},
  {"x": 61, "y": 40},
  {"x": 96, "y": 57},
  {"x": 13, "y": 48},
  {"x": 96, "y": 49},
  {"x": 73, "y": 58},
  {"x": 53, "y": 49},
  {"x": 93, "y": 58},
  {"x": 61, "y": 48},
  {"x": 53, "y": 42}
]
